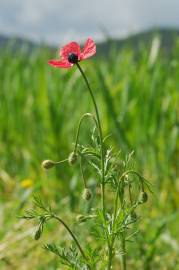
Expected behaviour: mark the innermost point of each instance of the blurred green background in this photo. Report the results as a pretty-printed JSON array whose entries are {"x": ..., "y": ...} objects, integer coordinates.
[{"x": 40, "y": 107}]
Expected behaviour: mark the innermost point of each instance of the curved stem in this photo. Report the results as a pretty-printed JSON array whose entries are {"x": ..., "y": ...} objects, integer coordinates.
[
  {"x": 73, "y": 236},
  {"x": 82, "y": 173},
  {"x": 110, "y": 247},
  {"x": 129, "y": 171},
  {"x": 100, "y": 136},
  {"x": 91, "y": 153},
  {"x": 61, "y": 161},
  {"x": 141, "y": 178},
  {"x": 130, "y": 194},
  {"x": 79, "y": 126}
]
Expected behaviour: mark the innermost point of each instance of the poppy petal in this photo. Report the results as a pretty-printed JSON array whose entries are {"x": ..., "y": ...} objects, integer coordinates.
[
  {"x": 60, "y": 64},
  {"x": 89, "y": 49},
  {"x": 72, "y": 47}
]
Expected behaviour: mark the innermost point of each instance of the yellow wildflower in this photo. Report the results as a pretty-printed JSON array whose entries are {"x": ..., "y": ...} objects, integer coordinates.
[{"x": 27, "y": 183}]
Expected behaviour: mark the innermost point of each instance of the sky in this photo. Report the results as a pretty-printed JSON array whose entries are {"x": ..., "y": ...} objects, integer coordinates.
[{"x": 59, "y": 21}]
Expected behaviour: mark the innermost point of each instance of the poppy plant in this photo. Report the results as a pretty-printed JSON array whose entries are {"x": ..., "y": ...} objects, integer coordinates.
[
  {"x": 71, "y": 54},
  {"x": 120, "y": 193}
]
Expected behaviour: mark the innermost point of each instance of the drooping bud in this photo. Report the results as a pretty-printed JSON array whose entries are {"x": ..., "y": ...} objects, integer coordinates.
[
  {"x": 72, "y": 158},
  {"x": 143, "y": 197},
  {"x": 87, "y": 194},
  {"x": 38, "y": 233},
  {"x": 48, "y": 164}
]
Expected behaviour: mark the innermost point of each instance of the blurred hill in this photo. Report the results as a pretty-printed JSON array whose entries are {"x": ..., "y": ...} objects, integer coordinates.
[
  {"x": 167, "y": 40},
  {"x": 15, "y": 43}
]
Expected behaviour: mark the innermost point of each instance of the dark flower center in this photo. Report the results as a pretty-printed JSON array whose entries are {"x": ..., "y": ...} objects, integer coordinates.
[{"x": 73, "y": 58}]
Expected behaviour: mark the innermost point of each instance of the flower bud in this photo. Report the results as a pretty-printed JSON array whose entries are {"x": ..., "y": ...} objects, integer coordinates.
[
  {"x": 81, "y": 218},
  {"x": 37, "y": 235},
  {"x": 72, "y": 158},
  {"x": 87, "y": 194},
  {"x": 48, "y": 164},
  {"x": 143, "y": 197},
  {"x": 38, "y": 232}
]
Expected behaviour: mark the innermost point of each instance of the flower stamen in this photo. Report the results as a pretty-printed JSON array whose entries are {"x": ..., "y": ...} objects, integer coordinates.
[{"x": 73, "y": 58}]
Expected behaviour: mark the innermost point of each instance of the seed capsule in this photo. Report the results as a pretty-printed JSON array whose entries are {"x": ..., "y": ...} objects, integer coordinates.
[
  {"x": 72, "y": 158},
  {"x": 143, "y": 197},
  {"x": 87, "y": 194},
  {"x": 48, "y": 164}
]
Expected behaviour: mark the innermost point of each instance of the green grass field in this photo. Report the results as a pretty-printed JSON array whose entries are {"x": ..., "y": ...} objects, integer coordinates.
[{"x": 39, "y": 111}]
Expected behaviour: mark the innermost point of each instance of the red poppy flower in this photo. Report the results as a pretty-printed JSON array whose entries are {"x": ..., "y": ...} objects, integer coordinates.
[{"x": 72, "y": 54}]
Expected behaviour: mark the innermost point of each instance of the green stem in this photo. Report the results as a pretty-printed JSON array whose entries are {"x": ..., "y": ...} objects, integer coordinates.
[
  {"x": 79, "y": 127},
  {"x": 74, "y": 238},
  {"x": 82, "y": 173},
  {"x": 61, "y": 161},
  {"x": 123, "y": 241},
  {"x": 123, "y": 234},
  {"x": 123, "y": 247},
  {"x": 116, "y": 205},
  {"x": 130, "y": 194},
  {"x": 110, "y": 254},
  {"x": 84, "y": 153},
  {"x": 100, "y": 136},
  {"x": 110, "y": 258},
  {"x": 110, "y": 245}
]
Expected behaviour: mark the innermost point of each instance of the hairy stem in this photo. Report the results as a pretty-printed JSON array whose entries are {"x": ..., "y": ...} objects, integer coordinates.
[
  {"x": 74, "y": 238},
  {"x": 82, "y": 173},
  {"x": 100, "y": 136},
  {"x": 79, "y": 127},
  {"x": 123, "y": 247},
  {"x": 110, "y": 254}
]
